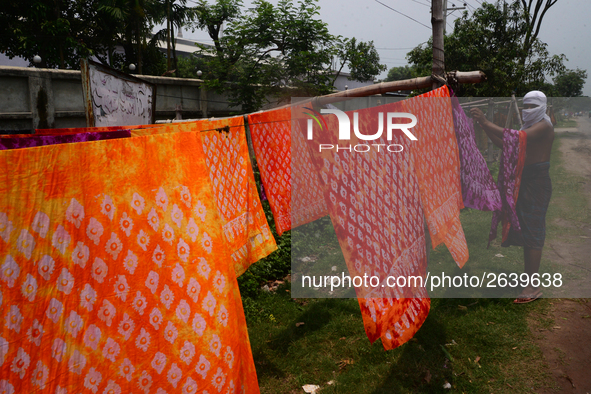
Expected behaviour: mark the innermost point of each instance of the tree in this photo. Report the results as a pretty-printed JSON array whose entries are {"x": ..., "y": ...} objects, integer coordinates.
[
  {"x": 492, "y": 39},
  {"x": 361, "y": 57},
  {"x": 570, "y": 83},
  {"x": 58, "y": 31},
  {"x": 533, "y": 14},
  {"x": 277, "y": 51},
  {"x": 134, "y": 20},
  {"x": 401, "y": 73},
  {"x": 63, "y": 31}
]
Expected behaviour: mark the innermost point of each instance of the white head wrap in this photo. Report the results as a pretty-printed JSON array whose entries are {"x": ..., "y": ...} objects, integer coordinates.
[{"x": 534, "y": 115}]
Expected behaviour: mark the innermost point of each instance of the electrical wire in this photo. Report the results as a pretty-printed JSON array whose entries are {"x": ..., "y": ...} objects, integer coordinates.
[
  {"x": 396, "y": 49},
  {"x": 411, "y": 18},
  {"x": 426, "y": 5}
]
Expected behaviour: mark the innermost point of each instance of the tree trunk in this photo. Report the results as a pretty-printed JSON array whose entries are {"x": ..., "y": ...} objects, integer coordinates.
[
  {"x": 168, "y": 28},
  {"x": 139, "y": 49}
]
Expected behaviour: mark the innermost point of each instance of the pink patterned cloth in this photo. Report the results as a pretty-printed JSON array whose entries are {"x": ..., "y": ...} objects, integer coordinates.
[
  {"x": 512, "y": 161},
  {"x": 478, "y": 186},
  {"x": 42, "y": 140}
]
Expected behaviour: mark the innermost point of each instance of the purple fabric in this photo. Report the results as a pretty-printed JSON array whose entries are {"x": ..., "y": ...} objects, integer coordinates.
[
  {"x": 508, "y": 182},
  {"x": 38, "y": 140},
  {"x": 478, "y": 186}
]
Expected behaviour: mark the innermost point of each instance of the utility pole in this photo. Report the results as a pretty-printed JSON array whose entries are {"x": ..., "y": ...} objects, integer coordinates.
[
  {"x": 438, "y": 23},
  {"x": 445, "y": 14}
]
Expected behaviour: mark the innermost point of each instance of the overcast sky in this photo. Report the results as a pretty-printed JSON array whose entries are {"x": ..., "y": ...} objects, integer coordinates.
[{"x": 564, "y": 28}]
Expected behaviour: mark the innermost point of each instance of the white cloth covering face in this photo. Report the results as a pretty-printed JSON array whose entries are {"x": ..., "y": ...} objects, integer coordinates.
[{"x": 534, "y": 115}]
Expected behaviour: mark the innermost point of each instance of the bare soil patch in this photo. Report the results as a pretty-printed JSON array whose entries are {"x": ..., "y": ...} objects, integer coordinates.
[{"x": 565, "y": 338}]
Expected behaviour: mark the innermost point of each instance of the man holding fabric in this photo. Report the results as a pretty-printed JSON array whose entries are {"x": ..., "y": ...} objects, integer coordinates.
[{"x": 536, "y": 187}]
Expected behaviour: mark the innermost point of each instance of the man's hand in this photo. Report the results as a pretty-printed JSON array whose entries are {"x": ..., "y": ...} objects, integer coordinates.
[{"x": 478, "y": 115}]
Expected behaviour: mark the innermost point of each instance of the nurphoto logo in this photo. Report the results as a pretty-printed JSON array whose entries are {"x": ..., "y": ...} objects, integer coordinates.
[{"x": 345, "y": 129}]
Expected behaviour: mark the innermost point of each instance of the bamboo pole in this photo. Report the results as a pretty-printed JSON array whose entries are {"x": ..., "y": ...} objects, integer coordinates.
[{"x": 394, "y": 86}]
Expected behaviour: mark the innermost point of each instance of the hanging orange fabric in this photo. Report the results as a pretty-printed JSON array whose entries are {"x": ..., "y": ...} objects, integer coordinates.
[
  {"x": 437, "y": 165},
  {"x": 114, "y": 273},
  {"x": 271, "y": 133},
  {"x": 237, "y": 199},
  {"x": 372, "y": 194},
  {"x": 223, "y": 143}
]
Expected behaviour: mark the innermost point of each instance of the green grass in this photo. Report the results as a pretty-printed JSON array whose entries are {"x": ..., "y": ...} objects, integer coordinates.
[
  {"x": 566, "y": 123},
  {"x": 331, "y": 345}
]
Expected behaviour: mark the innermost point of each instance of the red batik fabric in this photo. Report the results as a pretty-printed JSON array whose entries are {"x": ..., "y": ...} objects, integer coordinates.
[
  {"x": 374, "y": 205},
  {"x": 437, "y": 166},
  {"x": 275, "y": 151}
]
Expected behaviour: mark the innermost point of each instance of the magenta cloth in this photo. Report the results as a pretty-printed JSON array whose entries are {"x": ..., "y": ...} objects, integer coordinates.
[
  {"x": 511, "y": 166},
  {"x": 41, "y": 140},
  {"x": 478, "y": 186}
]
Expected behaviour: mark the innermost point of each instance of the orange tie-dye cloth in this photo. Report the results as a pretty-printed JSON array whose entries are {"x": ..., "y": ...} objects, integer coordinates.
[
  {"x": 223, "y": 143},
  {"x": 236, "y": 195},
  {"x": 437, "y": 165},
  {"x": 114, "y": 273},
  {"x": 271, "y": 134},
  {"x": 374, "y": 205}
]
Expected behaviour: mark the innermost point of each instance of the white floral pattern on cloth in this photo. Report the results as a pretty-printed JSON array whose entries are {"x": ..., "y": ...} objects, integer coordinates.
[
  {"x": 437, "y": 165},
  {"x": 236, "y": 196},
  {"x": 92, "y": 280},
  {"x": 294, "y": 197},
  {"x": 373, "y": 201}
]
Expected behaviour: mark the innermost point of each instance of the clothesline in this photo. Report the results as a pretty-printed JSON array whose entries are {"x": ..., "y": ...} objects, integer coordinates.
[{"x": 196, "y": 173}]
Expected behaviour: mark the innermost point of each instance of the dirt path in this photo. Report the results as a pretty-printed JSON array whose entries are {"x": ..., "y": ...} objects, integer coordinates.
[{"x": 566, "y": 344}]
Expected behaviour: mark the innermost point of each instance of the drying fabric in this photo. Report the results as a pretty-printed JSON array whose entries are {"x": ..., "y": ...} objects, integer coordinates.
[
  {"x": 479, "y": 190},
  {"x": 77, "y": 130},
  {"x": 272, "y": 141},
  {"x": 32, "y": 141},
  {"x": 11, "y": 133},
  {"x": 114, "y": 273},
  {"x": 437, "y": 165},
  {"x": 237, "y": 199},
  {"x": 532, "y": 204},
  {"x": 509, "y": 180},
  {"x": 373, "y": 201}
]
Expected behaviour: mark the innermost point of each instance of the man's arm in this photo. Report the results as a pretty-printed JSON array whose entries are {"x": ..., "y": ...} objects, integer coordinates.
[{"x": 494, "y": 132}]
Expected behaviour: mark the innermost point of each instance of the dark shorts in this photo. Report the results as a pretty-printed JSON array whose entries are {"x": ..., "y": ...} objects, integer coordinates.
[{"x": 532, "y": 204}]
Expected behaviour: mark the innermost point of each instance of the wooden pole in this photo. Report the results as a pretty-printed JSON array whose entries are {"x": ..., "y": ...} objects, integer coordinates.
[
  {"x": 489, "y": 116},
  {"x": 437, "y": 22},
  {"x": 407, "y": 84},
  {"x": 517, "y": 109}
]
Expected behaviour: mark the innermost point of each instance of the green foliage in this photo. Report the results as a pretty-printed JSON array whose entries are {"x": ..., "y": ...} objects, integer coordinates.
[
  {"x": 273, "y": 267},
  {"x": 362, "y": 58},
  {"x": 401, "y": 73},
  {"x": 59, "y": 32},
  {"x": 493, "y": 40},
  {"x": 187, "y": 67},
  {"x": 276, "y": 51},
  {"x": 570, "y": 83},
  {"x": 63, "y": 32}
]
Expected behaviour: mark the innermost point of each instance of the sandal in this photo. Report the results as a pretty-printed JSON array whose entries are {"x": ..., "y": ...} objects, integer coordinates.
[{"x": 527, "y": 298}]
